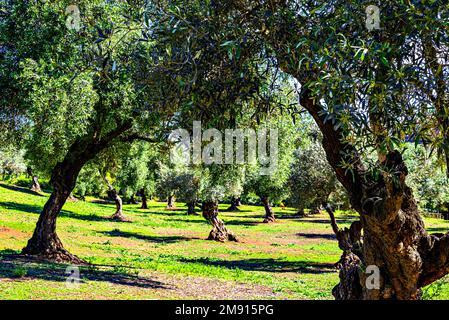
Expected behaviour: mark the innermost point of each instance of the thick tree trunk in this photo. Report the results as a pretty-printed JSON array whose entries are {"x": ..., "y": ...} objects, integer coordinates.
[
  {"x": 238, "y": 202},
  {"x": 219, "y": 231},
  {"x": 45, "y": 242},
  {"x": 349, "y": 240},
  {"x": 269, "y": 215},
  {"x": 301, "y": 213},
  {"x": 191, "y": 208},
  {"x": 394, "y": 238},
  {"x": 235, "y": 202},
  {"x": 144, "y": 199},
  {"x": 171, "y": 202}
]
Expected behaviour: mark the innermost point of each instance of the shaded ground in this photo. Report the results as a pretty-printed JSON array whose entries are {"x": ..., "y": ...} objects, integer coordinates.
[
  {"x": 16, "y": 268},
  {"x": 163, "y": 254}
]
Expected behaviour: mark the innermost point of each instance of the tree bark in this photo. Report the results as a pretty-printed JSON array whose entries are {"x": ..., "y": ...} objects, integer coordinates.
[
  {"x": 235, "y": 202},
  {"x": 301, "y": 213},
  {"x": 219, "y": 231},
  {"x": 170, "y": 202},
  {"x": 238, "y": 202},
  {"x": 269, "y": 215},
  {"x": 394, "y": 238},
  {"x": 144, "y": 199},
  {"x": 349, "y": 240}
]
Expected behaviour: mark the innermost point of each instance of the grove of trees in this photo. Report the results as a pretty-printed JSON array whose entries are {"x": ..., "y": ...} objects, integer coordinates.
[{"x": 362, "y": 117}]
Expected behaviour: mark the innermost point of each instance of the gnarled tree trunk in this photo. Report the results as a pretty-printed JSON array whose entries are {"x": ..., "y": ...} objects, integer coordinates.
[
  {"x": 191, "y": 208},
  {"x": 349, "y": 240},
  {"x": 171, "y": 202},
  {"x": 219, "y": 231},
  {"x": 394, "y": 238},
  {"x": 269, "y": 215},
  {"x": 301, "y": 213},
  {"x": 45, "y": 243},
  {"x": 235, "y": 202},
  {"x": 112, "y": 193},
  {"x": 36, "y": 187},
  {"x": 144, "y": 199}
]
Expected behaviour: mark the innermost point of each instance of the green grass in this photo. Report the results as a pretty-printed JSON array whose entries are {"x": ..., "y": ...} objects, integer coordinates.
[{"x": 163, "y": 254}]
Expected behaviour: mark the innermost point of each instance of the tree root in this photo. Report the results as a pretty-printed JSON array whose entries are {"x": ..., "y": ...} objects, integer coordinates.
[
  {"x": 58, "y": 255},
  {"x": 270, "y": 219},
  {"x": 119, "y": 217}
]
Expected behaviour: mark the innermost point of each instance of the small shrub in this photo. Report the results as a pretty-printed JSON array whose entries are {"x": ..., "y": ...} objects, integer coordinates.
[{"x": 20, "y": 272}]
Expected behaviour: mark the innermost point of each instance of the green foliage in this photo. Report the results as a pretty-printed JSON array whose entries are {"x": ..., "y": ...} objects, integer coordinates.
[
  {"x": 12, "y": 163},
  {"x": 274, "y": 185},
  {"x": 312, "y": 180},
  {"x": 138, "y": 169},
  {"x": 429, "y": 182},
  {"x": 89, "y": 182},
  {"x": 20, "y": 272}
]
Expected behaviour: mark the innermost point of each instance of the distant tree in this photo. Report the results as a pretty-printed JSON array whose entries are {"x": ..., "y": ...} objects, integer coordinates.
[
  {"x": 311, "y": 180},
  {"x": 234, "y": 184},
  {"x": 138, "y": 172},
  {"x": 168, "y": 183},
  {"x": 12, "y": 163},
  {"x": 89, "y": 182},
  {"x": 191, "y": 184},
  {"x": 215, "y": 180},
  {"x": 273, "y": 186},
  {"x": 427, "y": 179}
]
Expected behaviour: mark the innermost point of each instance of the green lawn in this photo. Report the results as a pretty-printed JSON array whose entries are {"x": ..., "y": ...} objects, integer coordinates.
[{"x": 163, "y": 254}]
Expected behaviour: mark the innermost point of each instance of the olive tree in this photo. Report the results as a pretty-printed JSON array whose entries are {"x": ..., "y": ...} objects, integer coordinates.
[
  {"x": 311, "y": 180},
  {"x": 82, "y": 89}
]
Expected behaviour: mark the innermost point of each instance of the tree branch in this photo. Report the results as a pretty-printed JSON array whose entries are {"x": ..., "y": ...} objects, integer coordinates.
[{"x": 135, "y": 136}]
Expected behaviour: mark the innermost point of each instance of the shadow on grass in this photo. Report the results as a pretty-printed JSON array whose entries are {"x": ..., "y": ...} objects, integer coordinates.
[
  {"x": 261, "y": 215},
  {"x": 37, "y": 269},
  {"x": 226, "y": 222},
  {"x": 317, "y": 236},
  {"x": 104, "y": 202},
  {"x": 151, "y": 211},
  {"x": 20, "y": 189},
  {"x": 243, "y": 223},
  {"x": 155, "y": 239},
  {"x": 437, "y": 230},
  {"x": 63, "y": 213},
  {"x": 268, "y": 265},
  {"x": 327, "y": 221}
]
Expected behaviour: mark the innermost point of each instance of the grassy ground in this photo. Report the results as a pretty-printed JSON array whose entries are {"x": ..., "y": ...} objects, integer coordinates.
[{"x": 163, "y": 255}]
